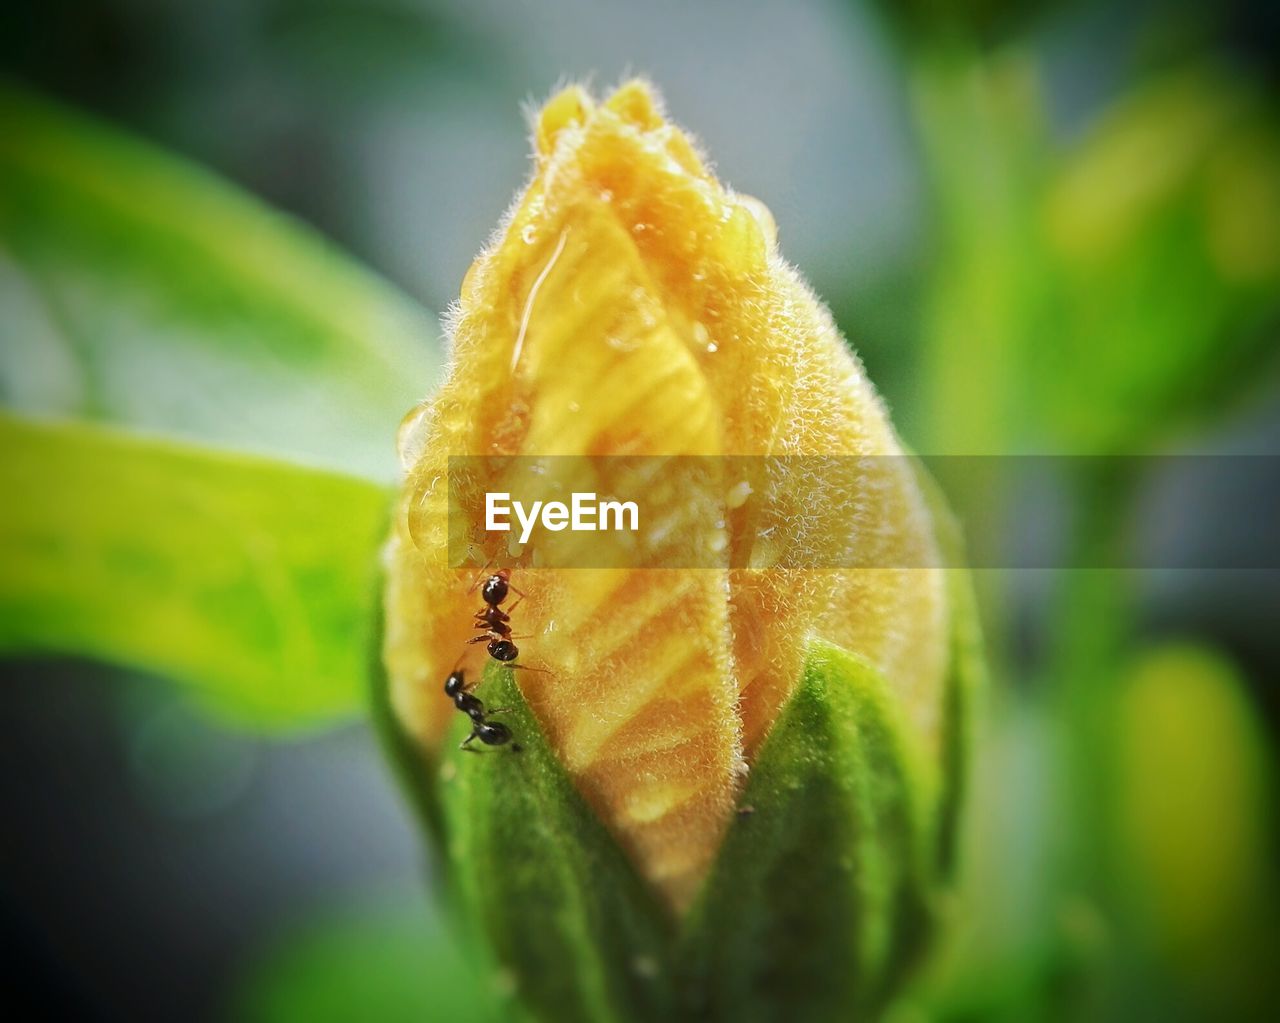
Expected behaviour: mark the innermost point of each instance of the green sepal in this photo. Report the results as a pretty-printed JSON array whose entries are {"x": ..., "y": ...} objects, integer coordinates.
[
  {"x": 573, "y": 931},
  {"x": 967, "y": 681},
  {"x": 820, "y": 896},
  {"x": 966, "y": 678},
  {"x": 820, "y": 901}
]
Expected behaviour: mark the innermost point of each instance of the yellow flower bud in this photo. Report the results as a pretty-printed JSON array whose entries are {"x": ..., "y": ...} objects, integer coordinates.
[{"x": 633, "y": 305}]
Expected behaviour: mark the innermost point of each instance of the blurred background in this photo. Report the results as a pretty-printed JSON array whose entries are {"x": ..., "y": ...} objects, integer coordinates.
[{"x": 1045, "y": 227}]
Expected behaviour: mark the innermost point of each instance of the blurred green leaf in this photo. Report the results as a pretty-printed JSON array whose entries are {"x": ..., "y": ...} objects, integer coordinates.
[
  {"x": 984, "y": 139},
  {"x": 388, "y": 961},
  {"x": 1105, "y": 298},
  {"x": 1196, "y": 787},
  {"x": 1002, "y": 957},
  {"x": 249, "y": 579},
  {"x": 1163, "y": 240},
  {"x": 141, "y": 290},
  {"x": 921, "y": 24}
]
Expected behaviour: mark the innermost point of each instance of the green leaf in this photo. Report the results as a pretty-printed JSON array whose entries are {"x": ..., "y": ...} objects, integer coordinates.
[
  {"x": 143, "y": 291},
  {"x": 819, "y": 899},
  {"x": 572, "y": 928},
  {"x": 249, "y": 579}
]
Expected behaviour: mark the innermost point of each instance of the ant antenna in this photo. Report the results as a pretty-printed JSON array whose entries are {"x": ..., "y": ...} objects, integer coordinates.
[{"x": 484, "y": 574}]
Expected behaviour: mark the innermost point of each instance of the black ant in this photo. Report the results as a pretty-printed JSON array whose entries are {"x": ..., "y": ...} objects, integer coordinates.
[
  {"x": 493, "y": 620},
  {"x": 491, "y": 733}
]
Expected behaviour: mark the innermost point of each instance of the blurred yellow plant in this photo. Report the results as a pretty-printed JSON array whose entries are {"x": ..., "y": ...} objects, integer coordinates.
[{"x": 632, "y": 305}]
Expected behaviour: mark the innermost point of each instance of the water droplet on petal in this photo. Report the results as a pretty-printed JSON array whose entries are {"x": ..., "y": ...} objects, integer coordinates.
[{"x": 625, "y": 344}]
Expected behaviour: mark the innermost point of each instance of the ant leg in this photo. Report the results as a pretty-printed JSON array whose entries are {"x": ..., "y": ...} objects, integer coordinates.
[
  {"x": 479, "y": 639},
  {"x": 517, "y": 603},
  {"x": 497, "y": 710},
  {"x": 471, "y": 749},
  {"x": 525, "y": 667}
]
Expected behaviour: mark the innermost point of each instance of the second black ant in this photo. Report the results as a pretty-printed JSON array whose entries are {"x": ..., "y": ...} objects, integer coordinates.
[{"x": 491, "y": 733}]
